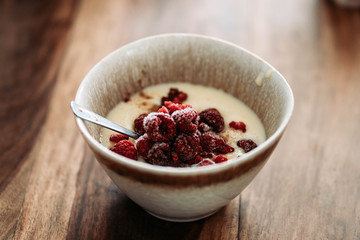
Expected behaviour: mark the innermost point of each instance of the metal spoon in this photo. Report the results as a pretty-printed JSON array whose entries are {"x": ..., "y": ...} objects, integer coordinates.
[{"x": 90, "y": 116}]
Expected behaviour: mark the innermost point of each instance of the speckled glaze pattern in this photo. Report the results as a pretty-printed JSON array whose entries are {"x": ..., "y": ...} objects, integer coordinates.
[{"x": 185, "y": 194}]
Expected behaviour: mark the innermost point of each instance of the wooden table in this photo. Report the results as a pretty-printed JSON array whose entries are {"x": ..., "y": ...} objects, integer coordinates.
[{"x": 51, "y": 187}]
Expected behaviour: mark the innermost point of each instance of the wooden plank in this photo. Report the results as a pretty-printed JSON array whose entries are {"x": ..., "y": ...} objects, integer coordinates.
[
  {"x": 31, "y": 49},
  {"x": 31, "y": 52}
]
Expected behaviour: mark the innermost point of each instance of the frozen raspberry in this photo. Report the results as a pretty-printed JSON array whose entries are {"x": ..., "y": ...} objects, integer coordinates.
[
  {"x": 138, "y": 124},
  {"x": 213, "y": 118},
  {"x": 163, "y": 110},
  {"x": 125, "y": 148},
  {"x": 210, "y": 141},
  {"x": 160, "y": 127},
  {"x": 187, "y": 146},
  {"x": 203, "y": 127},
  {"x": 182, "y": 96},
  {"x": 195, "y": 160},
  {"x": 143, "y": 145},
  {"x": 247, "y": 145},
  {"x": 225, "y": 149},
  {"x": 238, "y": 126},
  {"x": 214, "y": 143},
  {"x": 175, "y": 158},
  {"x": 205, "y": 162},
  {"x": 175, "y": 96},
  {"x": 117, "y": 137},
  {"x": 186, "y": 120},
  {"x": 220, "y": 158},
  {"x": 172, "y": 107},
  {"x": 160, "y": 154},
  {"x": 176, "y": 100},
  {"x": 207, "y": 155}
]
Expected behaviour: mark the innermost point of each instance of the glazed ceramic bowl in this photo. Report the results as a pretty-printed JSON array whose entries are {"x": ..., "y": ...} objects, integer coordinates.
[{"x": 185, "y": 194}]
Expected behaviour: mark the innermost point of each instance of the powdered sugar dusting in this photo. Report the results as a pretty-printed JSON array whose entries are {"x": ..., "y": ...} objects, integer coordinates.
[{"x": 181, "y": 112}]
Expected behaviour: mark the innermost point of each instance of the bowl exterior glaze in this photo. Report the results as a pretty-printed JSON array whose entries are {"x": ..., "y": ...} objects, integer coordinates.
[
  {"x": 181, "y": 198},
  {"x": 185, "y": 194}
]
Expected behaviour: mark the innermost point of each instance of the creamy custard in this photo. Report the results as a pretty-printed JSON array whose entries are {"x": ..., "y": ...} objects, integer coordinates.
[{"x": 200, "y": 98}]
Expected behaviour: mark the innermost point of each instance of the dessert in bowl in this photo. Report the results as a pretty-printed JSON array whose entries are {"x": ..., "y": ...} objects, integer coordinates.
[
  {"x": 194, "y": 126},
  {"x": 185, "y": 193}
]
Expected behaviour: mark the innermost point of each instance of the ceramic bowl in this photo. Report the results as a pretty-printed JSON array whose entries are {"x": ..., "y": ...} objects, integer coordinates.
[{"x": 185, "y": 194}]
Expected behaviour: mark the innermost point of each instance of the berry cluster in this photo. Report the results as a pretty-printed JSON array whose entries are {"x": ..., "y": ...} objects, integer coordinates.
[
  {"x": 174, "y": 96},
  {"x": 173, "y": 137},
  {"x": 176, "y": 135},
  {"x": 124, "y": 147}
]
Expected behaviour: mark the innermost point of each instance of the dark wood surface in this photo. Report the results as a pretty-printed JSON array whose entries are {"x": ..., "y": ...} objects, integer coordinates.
[{"x": 51, "y": 187}]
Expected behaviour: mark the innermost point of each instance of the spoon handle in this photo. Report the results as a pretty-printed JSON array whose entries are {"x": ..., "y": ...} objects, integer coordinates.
[{"x": 90, "y": 116}]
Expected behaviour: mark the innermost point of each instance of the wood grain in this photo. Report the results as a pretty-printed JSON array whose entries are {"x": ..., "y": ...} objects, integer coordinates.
[
  {"x": 32, "y": 40},
  {"x": 33, "y": 44},
  {"x": 51, "y": 187}
]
